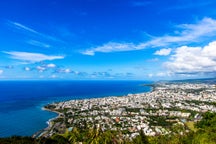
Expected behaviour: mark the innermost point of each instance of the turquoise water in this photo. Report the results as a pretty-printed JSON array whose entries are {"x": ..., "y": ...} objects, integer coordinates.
[{"x": 21, "y": 102}]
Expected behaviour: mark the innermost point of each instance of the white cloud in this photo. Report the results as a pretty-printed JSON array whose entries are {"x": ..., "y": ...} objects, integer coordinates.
[
  {"x": 161, "y": 74},
  {"x": 193, "y": 59},
  {"x": 29, "y": 30},
  {"x": 112, "y": 47},
  {"x": 1, "y": 71},
  {"x": 67, "y": 70},
  {"x": 40, "y": 68},
  {"x": 27, "y": 69},
  {"x": 88, "y": 52},
  {"x": 163, "y": 52},
  {"x": 150, "y": 75},
  {"x": 51, "y": 65},
  {"x": 164, "y": 74},
  {"x": 38, "y": 44},
  {"x": 22, "y": 27},
  {"x": 206, "y": 26},
  {"x": 31, "y": 57},
  {"x": 185, "y": 33}
]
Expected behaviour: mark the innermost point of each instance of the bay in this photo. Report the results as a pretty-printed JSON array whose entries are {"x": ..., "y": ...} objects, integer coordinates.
[{"x": 21, "y": 102}]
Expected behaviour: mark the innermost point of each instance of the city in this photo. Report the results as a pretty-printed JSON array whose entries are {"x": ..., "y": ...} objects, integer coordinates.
[{"x": 169, "y": 105}]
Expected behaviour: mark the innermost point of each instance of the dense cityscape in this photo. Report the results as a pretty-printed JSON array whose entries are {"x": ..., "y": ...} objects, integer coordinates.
[{"x": 169, "y": 105}]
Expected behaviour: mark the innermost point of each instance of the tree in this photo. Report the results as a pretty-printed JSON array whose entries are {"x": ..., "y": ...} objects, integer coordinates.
[{"x": 141, "y": 138}]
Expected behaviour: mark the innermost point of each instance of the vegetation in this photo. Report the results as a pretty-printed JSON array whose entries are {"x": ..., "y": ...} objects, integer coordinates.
[
  {"x": 190, "y": 125},
  {"x": 204, "y": 132},
  {"x": 50, "y": 106},
  {"x": 159, "y": 121}
]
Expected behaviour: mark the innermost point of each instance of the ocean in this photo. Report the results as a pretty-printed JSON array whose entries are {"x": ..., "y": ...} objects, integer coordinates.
[{"x": 21, "y": 102}]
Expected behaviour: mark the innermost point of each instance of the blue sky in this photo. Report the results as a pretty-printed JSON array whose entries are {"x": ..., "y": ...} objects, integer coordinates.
[{"x": 107, "y": 39}]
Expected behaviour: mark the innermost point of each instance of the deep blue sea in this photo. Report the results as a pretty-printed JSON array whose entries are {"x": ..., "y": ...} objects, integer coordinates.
[{"x": 21, "y": 102}]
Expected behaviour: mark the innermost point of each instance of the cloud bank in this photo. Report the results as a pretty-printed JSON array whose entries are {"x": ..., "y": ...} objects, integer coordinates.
[{"x": 192, "y": 60}]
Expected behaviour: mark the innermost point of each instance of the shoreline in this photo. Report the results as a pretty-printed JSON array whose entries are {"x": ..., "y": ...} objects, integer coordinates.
[
  {"x": 146, "y": 111},
  {"x": 48, "y": 122},
  {"x": 40, "y": 132},
  {"x": 27, "y": 110}
]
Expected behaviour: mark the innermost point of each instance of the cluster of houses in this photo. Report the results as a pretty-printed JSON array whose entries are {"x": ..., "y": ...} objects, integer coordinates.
[{"x": 154, "y": 112}]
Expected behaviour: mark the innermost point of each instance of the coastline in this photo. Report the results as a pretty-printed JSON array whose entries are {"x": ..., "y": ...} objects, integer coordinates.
[
  {"x": 135, "y": 111},
  {"x": 49, "y": 122},
  {"x": 16, "y": 104}
]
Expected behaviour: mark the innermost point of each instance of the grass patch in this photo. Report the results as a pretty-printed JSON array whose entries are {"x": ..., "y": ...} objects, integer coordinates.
[{"x": 190, "y": 125}]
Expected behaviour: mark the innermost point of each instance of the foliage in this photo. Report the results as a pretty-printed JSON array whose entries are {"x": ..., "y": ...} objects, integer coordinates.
[
  {"x": 159, "y": 121},
  {"x": 18, "y": 140},
  {"x": 208, "y": 121},
  {"x": 205, "y": 134},
  {"x": 141, "y": 138}
]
